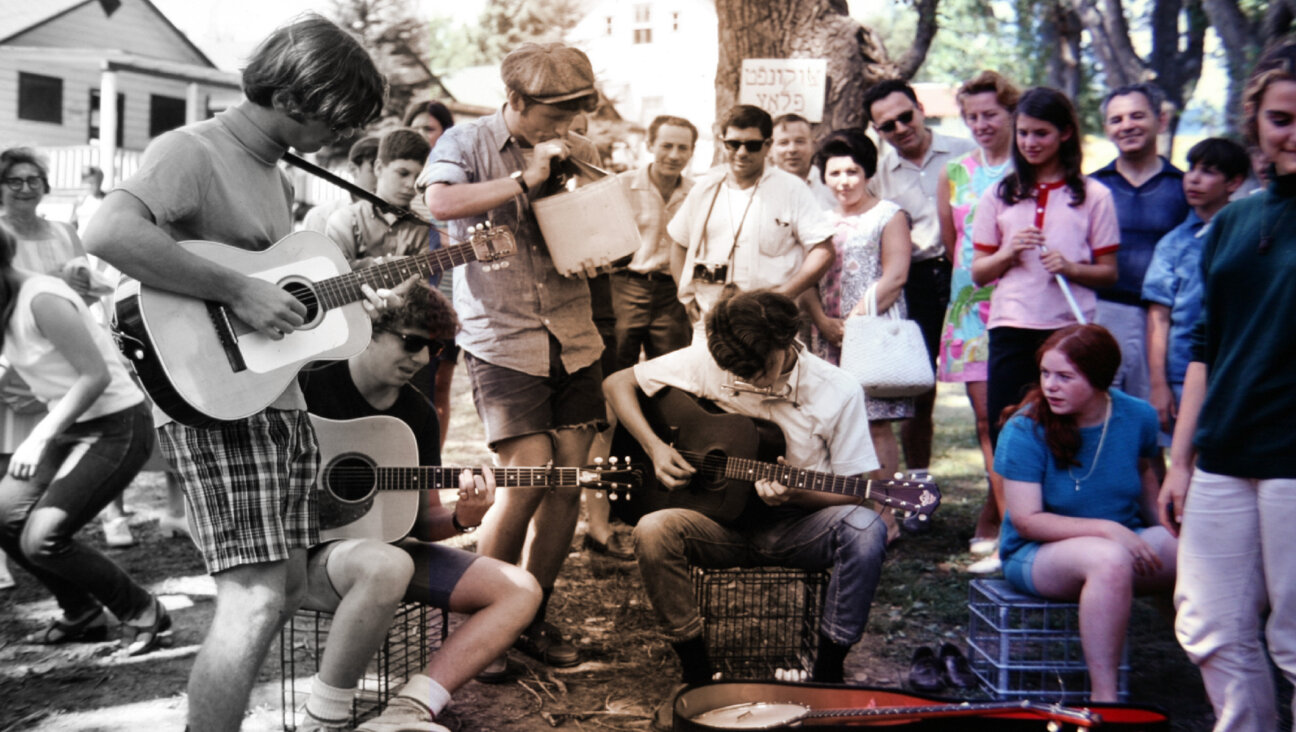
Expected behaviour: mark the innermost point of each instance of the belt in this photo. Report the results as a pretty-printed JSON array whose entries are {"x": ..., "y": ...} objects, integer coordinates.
[
  {"x": 941, "y": 261},
  {"x": 650, "y": 276}
]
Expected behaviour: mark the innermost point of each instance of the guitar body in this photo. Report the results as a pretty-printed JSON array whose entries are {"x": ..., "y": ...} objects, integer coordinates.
[
  {"x": 201, "y": 365},
  {"x": 689, "y": 424},
  {"x": 350, "y": 504}
]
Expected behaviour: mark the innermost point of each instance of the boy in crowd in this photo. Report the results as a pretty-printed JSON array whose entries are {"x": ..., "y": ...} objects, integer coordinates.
[
  {"x": 365, "y": 233},
  {"x": 1172, "y": 288},
  {"x": 362, "y": 156}
]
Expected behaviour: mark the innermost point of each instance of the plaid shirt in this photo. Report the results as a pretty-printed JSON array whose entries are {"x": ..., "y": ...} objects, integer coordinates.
[{"x": 507, "y": 314}]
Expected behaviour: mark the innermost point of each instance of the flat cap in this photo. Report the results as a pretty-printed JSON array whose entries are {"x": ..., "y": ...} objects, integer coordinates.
[{"x": 548, "y": 73}]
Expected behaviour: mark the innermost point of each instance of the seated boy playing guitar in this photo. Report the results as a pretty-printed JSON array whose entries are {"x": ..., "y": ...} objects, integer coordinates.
[
  {"x": 363, "y": 580},
  {"x": 751, "y": 364}
]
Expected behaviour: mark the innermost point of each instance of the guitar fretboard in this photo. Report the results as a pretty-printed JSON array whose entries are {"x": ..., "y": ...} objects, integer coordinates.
[
  {"x": 345, "y": 289},
  {"x": 438, "y": 478},
  {"x": 754, "y": 470}
]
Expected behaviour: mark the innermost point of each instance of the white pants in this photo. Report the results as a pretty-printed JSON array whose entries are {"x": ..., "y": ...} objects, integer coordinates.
[{"x": 1237, "y": 558}]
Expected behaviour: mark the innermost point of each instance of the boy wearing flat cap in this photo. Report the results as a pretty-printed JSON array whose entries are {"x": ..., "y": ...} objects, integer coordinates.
[{"x": 532, "y": 348}]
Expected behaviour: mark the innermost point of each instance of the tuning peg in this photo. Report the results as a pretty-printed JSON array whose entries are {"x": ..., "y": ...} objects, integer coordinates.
[
  {"x": 613, "y": 459},
  {"x": 599, "y": 460}
]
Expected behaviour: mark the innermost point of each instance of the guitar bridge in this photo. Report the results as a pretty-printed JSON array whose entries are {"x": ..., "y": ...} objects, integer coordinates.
[{"x": 225, "y": 334}]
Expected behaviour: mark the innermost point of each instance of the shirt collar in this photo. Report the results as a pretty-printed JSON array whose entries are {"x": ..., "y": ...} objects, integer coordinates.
[
  {"x": 251, "y": 136},
  {"x": 499, "y": 129}
]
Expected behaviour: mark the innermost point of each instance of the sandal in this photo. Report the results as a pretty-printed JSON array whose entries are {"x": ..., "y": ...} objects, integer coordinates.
[
  {"x": 93, "y": 628},
  {"x": 139, "y": 640}
]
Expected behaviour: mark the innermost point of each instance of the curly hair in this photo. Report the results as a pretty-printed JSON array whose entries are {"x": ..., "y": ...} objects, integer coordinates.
[
  {"x": 19, "y": 155},
  {"x": 1006, "y": 93},
  {"x": 423, "y": 308},
  {"x": 743, "y": 329},
  {"x": 847, "y": 143},
  {"x": 1094, "y": 352}
]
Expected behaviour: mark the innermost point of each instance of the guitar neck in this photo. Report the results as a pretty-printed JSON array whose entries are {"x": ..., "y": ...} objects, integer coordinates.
[
  {"x": 441, "y": 477},
  {"x": 1078, "y": 717},
  {"x": 754, "y": 470},
  {"x": 345, "y": 289}
]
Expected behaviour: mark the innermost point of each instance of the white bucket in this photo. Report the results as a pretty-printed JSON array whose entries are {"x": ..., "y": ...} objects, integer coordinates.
[{"x": 589, "y": 228}]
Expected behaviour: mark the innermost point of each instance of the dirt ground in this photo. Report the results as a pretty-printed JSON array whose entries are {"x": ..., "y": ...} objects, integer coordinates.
[{"x": 628, "y": 668}]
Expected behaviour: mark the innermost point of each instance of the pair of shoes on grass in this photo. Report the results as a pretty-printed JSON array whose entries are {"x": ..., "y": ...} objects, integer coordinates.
[
  {"x": 936, "y": 670},
  {"x": 403, "y": 714}
]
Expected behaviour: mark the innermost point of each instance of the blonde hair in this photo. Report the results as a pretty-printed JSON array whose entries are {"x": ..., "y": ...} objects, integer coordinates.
[{"x": 1006, "y": 93}]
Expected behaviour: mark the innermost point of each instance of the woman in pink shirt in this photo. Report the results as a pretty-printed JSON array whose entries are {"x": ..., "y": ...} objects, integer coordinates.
[{"x": 1042, "y": 220}]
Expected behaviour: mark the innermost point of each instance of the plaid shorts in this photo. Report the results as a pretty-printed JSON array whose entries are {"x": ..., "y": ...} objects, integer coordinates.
[{"x": 249, "y": 486}]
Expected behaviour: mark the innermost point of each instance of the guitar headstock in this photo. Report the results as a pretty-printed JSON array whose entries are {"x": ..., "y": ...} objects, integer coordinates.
[
  {"x": 492, "y": 243},
  {"x": 916, "y": 495},
  {"x": 615, "y": 475}
]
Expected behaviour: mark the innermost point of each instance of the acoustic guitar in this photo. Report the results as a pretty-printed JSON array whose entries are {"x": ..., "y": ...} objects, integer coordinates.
[
  {"x": 370, "y": 481},
  {"x": 201, "y": 365},
  {"x": 731, "y": 452}
]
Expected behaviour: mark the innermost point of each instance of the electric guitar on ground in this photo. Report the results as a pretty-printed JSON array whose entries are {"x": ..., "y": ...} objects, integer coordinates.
[
  {"x": 731, "y": 452},
  {"x": 370, "y": 481},
  {"x": 201, "y": 364}
]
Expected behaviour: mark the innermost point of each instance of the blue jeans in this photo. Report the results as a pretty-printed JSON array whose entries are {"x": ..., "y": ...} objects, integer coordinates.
[
  {"x": 81, "y": 470},
  {"x": 851, "y": 540}
]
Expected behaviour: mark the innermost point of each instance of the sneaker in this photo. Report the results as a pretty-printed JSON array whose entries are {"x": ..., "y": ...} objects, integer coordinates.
[
  {"x": 925, "y": 672},
  {"x": 117, "y": 532},
  {"x": 311, "y": 723},
  {"x": 545, "y": 643},
  {"x": 403, "y": 714},
  {"x": 983, "y": 547},
  {"x": 986, "y": 565}
]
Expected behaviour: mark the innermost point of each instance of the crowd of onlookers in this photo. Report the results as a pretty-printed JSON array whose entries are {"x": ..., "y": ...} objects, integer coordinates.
[{"x": 1094, "y": 320}]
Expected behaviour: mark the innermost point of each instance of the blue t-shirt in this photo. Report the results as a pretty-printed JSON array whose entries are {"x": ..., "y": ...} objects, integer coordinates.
[
  {"x": 1145, "y": 214},
  {"x": 1174, "y": 280},
  {"x": 1114, "y": 491}
]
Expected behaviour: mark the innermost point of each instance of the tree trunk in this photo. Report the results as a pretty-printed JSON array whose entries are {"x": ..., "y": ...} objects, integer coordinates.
[
  {"x": 808, "y": 29},
  {"x": 1237, "y": 34}
]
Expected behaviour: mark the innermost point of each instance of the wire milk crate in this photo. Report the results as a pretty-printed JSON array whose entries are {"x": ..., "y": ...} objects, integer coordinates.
[
  {"x": 757, "y": 620},
  {"x": 1026, "y": 647},
  {"x": 404, "y": 653}
]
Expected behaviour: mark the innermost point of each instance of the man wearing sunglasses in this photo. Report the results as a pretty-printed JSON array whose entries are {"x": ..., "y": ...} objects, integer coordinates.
[
  {"x": 907, "y": 174},
  {"x": 362, "y": 581},
  {"x": 747, "y": 223}
]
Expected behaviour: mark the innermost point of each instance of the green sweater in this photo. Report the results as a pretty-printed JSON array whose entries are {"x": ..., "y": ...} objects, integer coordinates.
[{"x": 1247, "y": 337}]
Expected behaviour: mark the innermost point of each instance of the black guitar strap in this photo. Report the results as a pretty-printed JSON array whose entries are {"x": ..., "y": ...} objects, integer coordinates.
[{"x": 353, "y": 189}]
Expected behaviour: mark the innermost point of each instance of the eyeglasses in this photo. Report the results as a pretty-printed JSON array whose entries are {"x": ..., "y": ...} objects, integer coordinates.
[
  {"x": 34, "y": 182},
  {"x": 416, "y": 343},
  {"x": 753, "y": 146},
  {"x": 905, "y": 118}
]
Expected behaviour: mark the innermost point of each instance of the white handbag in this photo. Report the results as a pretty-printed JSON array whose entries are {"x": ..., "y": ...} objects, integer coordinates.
[{"x": 886, "y": 353}]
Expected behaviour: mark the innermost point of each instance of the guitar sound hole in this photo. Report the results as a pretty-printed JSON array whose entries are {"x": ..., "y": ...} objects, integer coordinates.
[
  {"x": 306, "y": 296},
  {"x": 711, "y": 472},
  {"x": 351, "y": 478}
]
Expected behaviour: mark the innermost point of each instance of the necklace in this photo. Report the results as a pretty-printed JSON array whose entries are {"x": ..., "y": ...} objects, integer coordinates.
[{"x": 1101, "y": 439}]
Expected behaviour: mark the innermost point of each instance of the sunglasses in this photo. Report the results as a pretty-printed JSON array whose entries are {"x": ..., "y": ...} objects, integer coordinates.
[
  {"x": 416, "y": 343},
  {"x": 34, "y": 182},
  {"x": 904, "y": 118},
  {"x": 753, "y": 146}
]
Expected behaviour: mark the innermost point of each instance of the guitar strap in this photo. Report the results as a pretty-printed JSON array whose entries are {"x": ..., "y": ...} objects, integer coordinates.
[{"x": 352, "y": 188}]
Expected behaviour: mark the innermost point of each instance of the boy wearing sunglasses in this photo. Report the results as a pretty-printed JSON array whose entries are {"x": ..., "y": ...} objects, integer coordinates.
[
  {"x": 747, "y": 223},
  {"x": 362, "y": 581},
  {"x": 907, "y": 174}
]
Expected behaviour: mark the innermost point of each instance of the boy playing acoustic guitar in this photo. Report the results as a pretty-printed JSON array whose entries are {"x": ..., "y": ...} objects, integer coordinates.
[{"x": 248, "y": 483}]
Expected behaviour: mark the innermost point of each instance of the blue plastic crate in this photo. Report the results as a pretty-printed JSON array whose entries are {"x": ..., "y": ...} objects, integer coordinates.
[{"x": 1026, "y": 647}]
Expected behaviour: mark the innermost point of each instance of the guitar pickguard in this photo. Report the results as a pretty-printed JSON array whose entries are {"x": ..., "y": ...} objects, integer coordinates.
[{"x": 262, "y": 354}]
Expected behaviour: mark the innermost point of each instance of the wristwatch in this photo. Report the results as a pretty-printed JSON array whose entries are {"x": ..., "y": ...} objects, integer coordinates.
[
  {"x": 517, "y": 176},
  {"x": 454, "y": 521}
]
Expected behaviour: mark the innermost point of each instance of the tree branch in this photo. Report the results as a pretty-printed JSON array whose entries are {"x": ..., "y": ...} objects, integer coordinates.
[{"x": 927, "y": 27}]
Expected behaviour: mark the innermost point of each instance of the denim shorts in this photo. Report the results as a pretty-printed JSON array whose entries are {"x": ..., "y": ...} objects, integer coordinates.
[
  {"x": 1017, "y": 569},
  {"x": 437, "y": 571},
  {"x": 513, "y": 404}
]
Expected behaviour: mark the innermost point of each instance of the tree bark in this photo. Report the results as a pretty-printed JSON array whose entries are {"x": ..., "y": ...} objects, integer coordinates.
[{"x": 813, "y": 29}]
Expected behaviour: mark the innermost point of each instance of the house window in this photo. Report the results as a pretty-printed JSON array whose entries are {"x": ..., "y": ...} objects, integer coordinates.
[
  {"x": 608, "y": 29},
  {"x": 643, "y": 14},
  {"x": 40, "y": 98},
  {"x": 643, "y": 19},
  {"x": 675, "y": 21},
  {"x": 643, "y": 35},
  {"x": 93, "y": 132},
  {"x": 165, "y": 114}
]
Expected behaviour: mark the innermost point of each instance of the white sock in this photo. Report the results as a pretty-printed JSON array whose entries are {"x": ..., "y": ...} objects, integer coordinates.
[
  {"x": 329, "y": 703},
  {"x": 426, "y": 690}
]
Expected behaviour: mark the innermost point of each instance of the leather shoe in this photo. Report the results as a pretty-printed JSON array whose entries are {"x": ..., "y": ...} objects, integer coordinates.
[
  {"x": 958, "y": 672},
  {"x": 615, "y": 547},
  {"x": 545, "y": 643},
  {"x": 510, "y": 671},
  {"x": 663, "y": 717},
  {"x": 925, "y": 673}
]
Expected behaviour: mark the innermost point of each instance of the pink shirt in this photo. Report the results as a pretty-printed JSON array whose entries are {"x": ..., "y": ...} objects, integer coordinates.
[{"x": 1027, "y": 296}]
